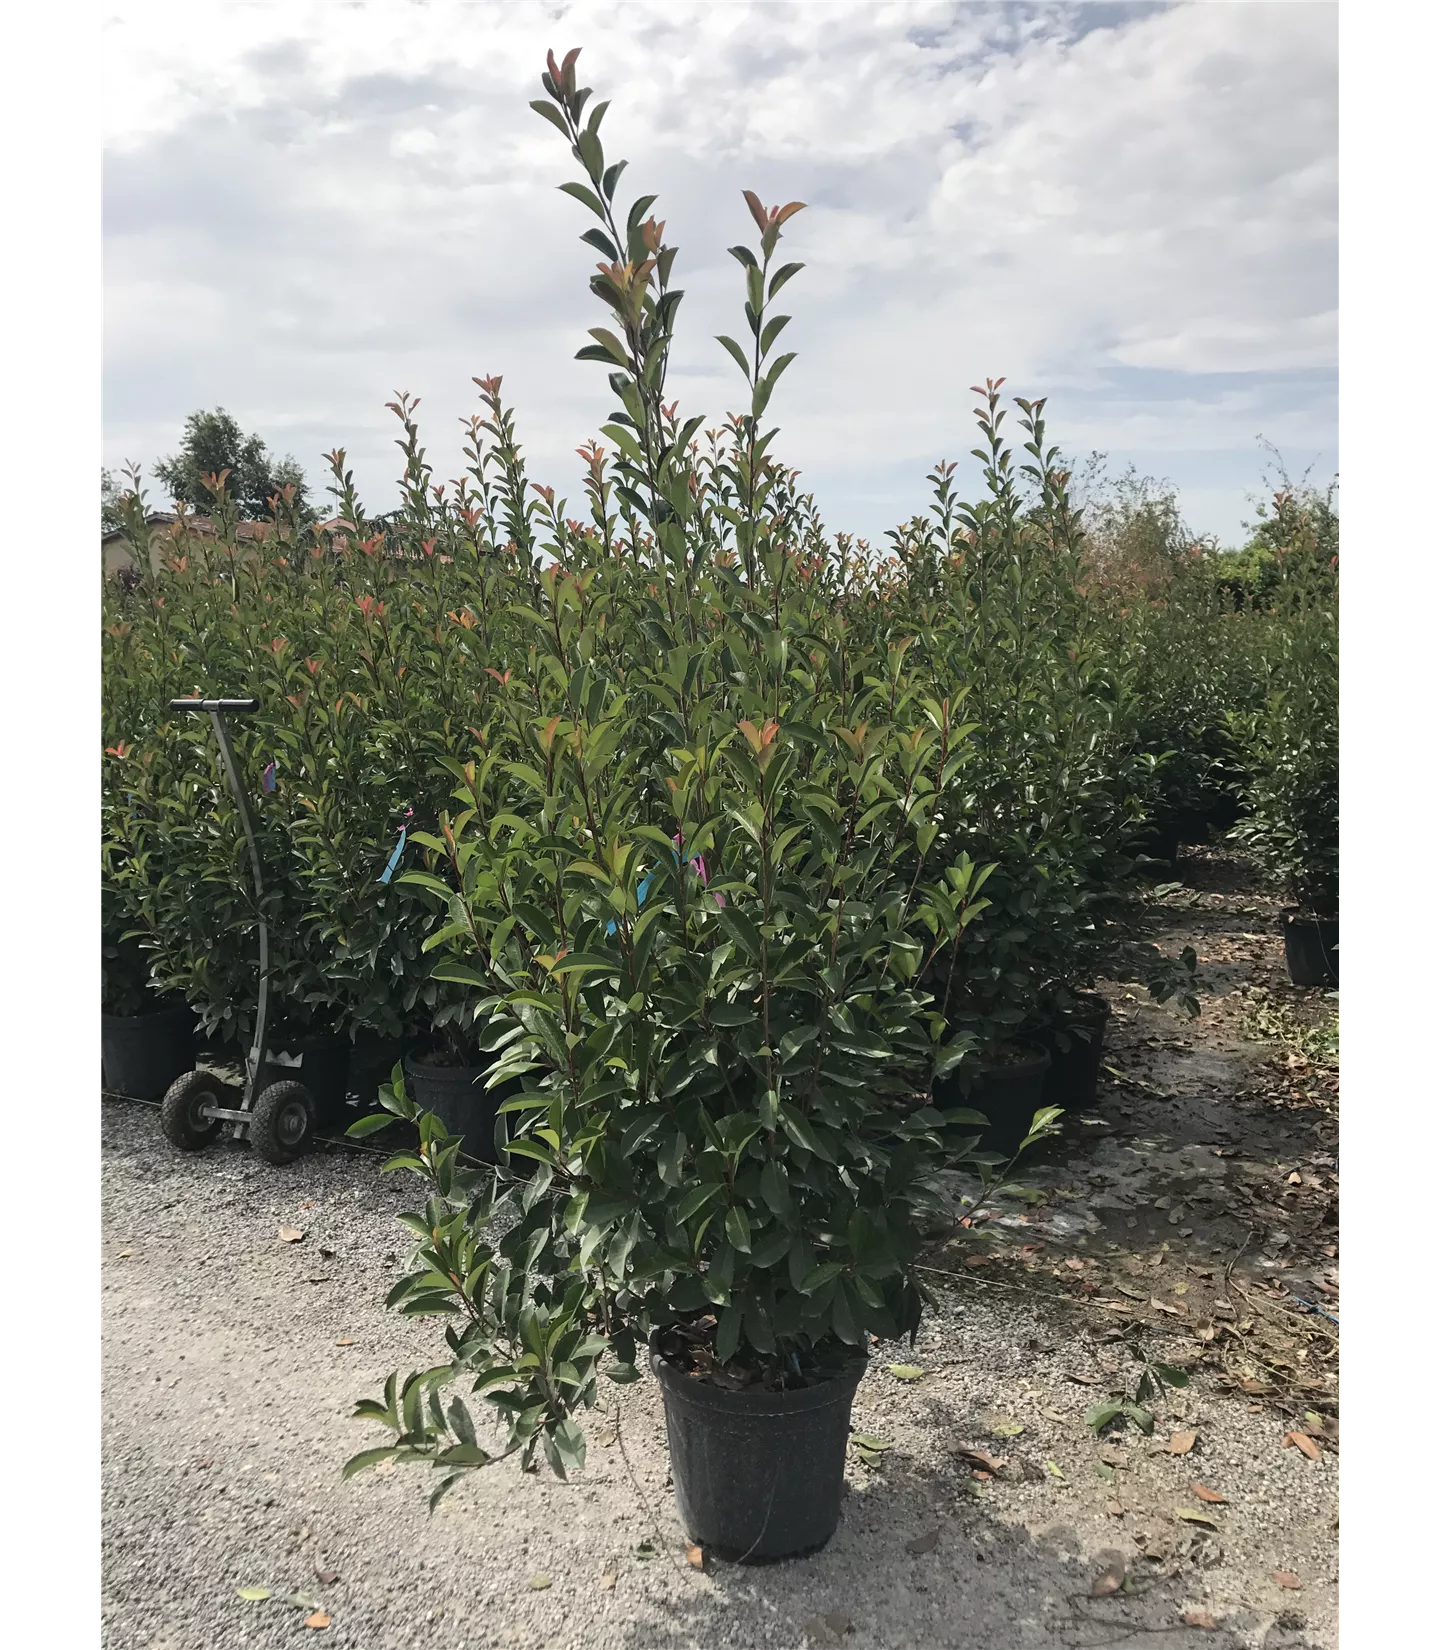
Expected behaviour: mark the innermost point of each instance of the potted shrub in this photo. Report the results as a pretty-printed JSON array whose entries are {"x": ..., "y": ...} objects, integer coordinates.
[
  {"x": 687, "y": 887},
  {"x": 145, "y": 1040},
  {"x": 1075, "y": 1039},
  {"x": 1291, "y": 746},
  {"x": 980, "y": 1006}
]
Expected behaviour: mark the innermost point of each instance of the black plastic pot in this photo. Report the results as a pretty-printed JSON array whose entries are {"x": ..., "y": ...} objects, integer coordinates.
[
  {"x": 143, "y": 1055},
  {"x": 1076, "y": 1048},
  {"x": 1312, "y": 948},
  {"x": 322, "y": 1064},
  {"x": 1222, "y": 810},
  {"x": 1161, "y": 841},
  {"x": 1006, "y": 1093},
  {"x": 758, "y": 1475},
  {"x": 458, "y": 1097}
]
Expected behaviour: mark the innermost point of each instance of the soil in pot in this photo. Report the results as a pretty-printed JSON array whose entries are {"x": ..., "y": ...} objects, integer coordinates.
[
  {"x": 322, "y": 1064},
  {"x": 758, "y": 1474},
  {"x": 1006, "y": 1090},
  {"x": 458, "y": 1097},
  {"x": 1076, "y": 1047},
  {"x": 1312, "y": 948},
  {"x": 143, "y": 1054}
]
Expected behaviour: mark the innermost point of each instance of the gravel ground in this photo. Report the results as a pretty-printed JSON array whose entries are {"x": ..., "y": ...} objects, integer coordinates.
[{"x": 232, "y": 1360}]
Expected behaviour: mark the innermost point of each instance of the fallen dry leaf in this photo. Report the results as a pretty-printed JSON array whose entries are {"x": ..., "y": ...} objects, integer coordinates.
[
  {"x": 1181, "y": 1443},
  {"x": 978, "y": 1260},
  {"x": 608, "y": 1580},
  {"x": 978, "y": 1458},
  {"x": 1052, "y": 1415},
  {"x": 1202, "y": 1493},
  {"x": 1114, "y": 1509},
  {"x": 923, "y": 1543},
  {"x": 1176, "y": 1311},
  {"x": 319, "y": 1619},
  {"x": 1074, "y": 1264},
  {"x": 346, "y": 1340},
  {"x": 1201, "y": 1619},
  {"x": 829, "y": 1628},
  {"x": 1285, "y": 1578},
  {"x": 327, "y": 1578},
  {"x": 538, "y": 1583},
  {"x": 290, "y": 1234},
  {"x": 1194, "y": 1515},
  {"x": 1028, "y": 1251},
  {"x": 125, "y": 1254},
  {"x": 1110, "y": 1580},
  {"x": 695, "y": 1555},
  {"x": 1306, "y": 1446}
]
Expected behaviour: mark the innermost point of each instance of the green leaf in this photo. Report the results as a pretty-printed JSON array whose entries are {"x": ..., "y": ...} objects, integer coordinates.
[
  {"x": 611, "y": 345},
  {"x": 553, "y": 115},
  {"x": 586, "y": 197},
  {"x": 370, "y": 1125},
  {"x": 368, "y": 1458},
  {"x": 459, "y": 974},
  {"x": 737, "y": 353},
  {"x": 252, "y": 1595},
  {"x": 727, "y": 1335},
  {"x": 696, "y": 1199},
  {"x": 904, "y": 1372},
  {"x": 1100, "y": 1415}
]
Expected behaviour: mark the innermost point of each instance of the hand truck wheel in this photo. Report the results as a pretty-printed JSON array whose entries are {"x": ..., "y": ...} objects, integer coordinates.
[
  {"x": 282, "y": 1126},
  {"x": 182, "y": 1115}
]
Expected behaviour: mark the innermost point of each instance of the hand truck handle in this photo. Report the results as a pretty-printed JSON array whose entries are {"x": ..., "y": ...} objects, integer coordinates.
[{"x": 226, "y": 707}]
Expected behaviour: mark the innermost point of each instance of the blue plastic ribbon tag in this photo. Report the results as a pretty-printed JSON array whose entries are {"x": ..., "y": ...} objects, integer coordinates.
[{"x": 389, "y": 870}]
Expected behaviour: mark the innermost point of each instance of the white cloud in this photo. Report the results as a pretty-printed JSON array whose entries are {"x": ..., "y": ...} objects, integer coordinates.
[{"x": 1130, "y": 207}]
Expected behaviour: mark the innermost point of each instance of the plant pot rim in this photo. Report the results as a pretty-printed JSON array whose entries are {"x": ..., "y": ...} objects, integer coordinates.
[
  {"x": 788, "y": 1401},
  {"x": 416, "y": 1061},
  {"x": 1098, "y": 1007},
  {"x": 171, "y": 1011},
  {"x": 1027, "y": 1059},
  {"x": 1304, "y": 913},
  {"x": 285, "y": 1043}
]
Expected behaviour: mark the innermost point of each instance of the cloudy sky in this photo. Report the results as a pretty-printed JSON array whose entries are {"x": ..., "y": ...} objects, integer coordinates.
[{"x": 1130, "y": 208}]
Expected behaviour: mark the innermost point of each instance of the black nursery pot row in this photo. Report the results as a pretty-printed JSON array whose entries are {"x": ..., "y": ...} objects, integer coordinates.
[
  {"x": 141, "y": 1056},
  {"x": 1062, "y": 1069}
]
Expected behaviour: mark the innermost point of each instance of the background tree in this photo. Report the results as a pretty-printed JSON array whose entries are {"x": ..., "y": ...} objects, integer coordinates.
[
  {"x": 1135, "y": 535},
  {"x": 213, "y": 441},
  {"x": 109, "y": 502}
]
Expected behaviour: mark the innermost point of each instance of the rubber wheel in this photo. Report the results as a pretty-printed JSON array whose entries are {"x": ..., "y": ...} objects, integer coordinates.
[
  {"x": 181, "y": 1119},
  {"x": 282, "y": 1126}
]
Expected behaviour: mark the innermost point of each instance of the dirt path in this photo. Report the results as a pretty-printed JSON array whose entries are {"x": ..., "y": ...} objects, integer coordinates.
[{"x": 233, "y": 1359}]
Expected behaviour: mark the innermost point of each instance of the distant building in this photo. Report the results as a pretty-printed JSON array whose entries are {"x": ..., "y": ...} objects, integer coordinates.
[{"x": 117, "y": 552}]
